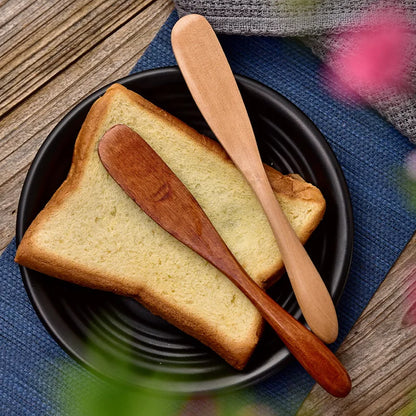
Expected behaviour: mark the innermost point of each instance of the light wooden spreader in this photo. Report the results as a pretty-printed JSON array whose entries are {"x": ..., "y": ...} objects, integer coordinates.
[{"x": 214, "y": 89}]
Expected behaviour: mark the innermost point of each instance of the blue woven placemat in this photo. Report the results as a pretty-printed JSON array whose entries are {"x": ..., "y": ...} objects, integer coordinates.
[{"x": 38, "y": 378}]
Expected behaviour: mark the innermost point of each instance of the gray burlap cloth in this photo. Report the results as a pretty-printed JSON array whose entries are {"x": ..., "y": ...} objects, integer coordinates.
[{"x": 322, "y": 24}]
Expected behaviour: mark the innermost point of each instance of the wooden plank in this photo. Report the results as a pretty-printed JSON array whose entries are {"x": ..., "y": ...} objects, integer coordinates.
[
  {"x": 27, "y": 126},
  {"x": 9, "y": 12},
  {"x": 46, "y": 37},
  {"x": 379, "y": 352}
]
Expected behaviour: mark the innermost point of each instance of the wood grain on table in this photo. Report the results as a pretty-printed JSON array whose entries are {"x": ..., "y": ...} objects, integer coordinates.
[{"x": 53, "y": 53}]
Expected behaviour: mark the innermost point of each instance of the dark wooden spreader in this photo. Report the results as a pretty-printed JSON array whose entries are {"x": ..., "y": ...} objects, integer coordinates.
[{"x": 145, "y": 177}]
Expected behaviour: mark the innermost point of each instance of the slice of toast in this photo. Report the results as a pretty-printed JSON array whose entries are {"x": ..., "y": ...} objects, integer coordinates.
[{"x": 92, "y": 234}]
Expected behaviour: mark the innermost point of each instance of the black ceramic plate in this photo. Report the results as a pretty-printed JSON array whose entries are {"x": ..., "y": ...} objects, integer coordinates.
[{"x": 118, "y": 329}]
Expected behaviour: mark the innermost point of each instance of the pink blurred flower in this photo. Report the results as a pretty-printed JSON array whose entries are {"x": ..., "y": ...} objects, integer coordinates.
[
  {"x": 409, "y": 317},
  {"x": 376, "y": 57},
  {"x": 201, "y": 406}
]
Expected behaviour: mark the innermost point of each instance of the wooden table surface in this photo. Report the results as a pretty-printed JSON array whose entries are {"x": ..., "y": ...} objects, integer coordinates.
[{"x": 56, "y": 52}]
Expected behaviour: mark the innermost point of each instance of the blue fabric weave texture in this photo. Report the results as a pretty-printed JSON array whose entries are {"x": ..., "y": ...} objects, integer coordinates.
[{"x": 37, "y": 377}]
